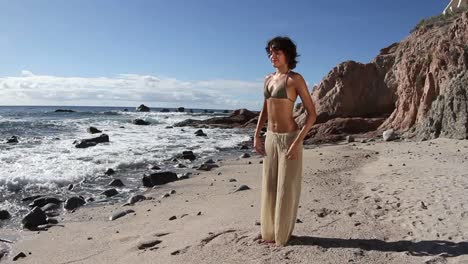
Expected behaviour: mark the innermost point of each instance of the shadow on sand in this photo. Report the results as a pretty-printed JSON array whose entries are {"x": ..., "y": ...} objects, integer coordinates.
[{"x": 421, "y": 248}]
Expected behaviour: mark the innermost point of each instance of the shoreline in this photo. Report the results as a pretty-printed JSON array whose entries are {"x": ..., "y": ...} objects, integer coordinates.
[{"x": 354, "y": 208}]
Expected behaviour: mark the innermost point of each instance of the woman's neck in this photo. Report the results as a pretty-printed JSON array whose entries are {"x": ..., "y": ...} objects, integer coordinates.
[{"x": 283, "y": 69}]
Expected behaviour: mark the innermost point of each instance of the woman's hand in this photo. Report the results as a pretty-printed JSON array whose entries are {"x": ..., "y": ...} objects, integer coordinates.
[
  {"x": 293, "y": 152},
  {"x": 259, "y": 146}
]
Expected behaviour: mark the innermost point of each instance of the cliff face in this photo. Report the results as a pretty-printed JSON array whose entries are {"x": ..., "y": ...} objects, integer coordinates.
[{"x": 418, "y": 85}]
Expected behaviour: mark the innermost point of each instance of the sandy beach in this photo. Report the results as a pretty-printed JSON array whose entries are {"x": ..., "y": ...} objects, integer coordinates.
[{"x": 377, "y": 202}]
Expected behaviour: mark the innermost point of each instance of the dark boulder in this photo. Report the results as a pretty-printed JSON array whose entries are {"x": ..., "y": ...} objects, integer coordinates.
[
  {"x": 116, "y": 183},
  {"x": 4, "y": 215},
  {"x": 143, "y": 108},
  {"x": 12, "y": 139},
  {"x": 110, "y": 192},
  {"x": 159, "y": 178},
  {"x": 94, "y": 130},
  {"x": 207, "y": 167},
  {"x": 34, "y": 218},
  {"x": 188, "y": 155},
  {"x": 41, "y": 201},
  {"x": 74, "y": 202},
  {"x": 85, "y": 143},
  {"x": 200, "y": 133},
  {"x": 140, "y": 122}
]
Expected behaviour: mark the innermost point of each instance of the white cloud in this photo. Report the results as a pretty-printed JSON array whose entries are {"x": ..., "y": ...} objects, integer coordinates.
[{"x": 129, "y": 90}]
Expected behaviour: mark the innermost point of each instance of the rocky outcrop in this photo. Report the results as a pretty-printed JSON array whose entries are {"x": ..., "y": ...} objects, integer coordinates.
[
  {"x": 90, "y": 142},
  {"x": 417, "y": 85},
  {"x": 353, "y": 89},
  {"x": 236, "y": 119},
  {"x": 429, "y": 66},
  {"x": 143, "y": 108},
  {"x": 448, "y": 115},
  {"x": 338, "y": 128}
]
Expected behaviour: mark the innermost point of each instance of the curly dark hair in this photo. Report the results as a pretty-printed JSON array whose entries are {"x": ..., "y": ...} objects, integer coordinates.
[{"x": 286, "y": 45}]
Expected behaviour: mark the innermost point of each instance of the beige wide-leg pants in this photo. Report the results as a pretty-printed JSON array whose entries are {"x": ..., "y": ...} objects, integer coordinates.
[{"x": 281, "y": 188}]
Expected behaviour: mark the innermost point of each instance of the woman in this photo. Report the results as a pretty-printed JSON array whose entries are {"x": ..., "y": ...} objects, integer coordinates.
[{"x": 282, "y": 149}]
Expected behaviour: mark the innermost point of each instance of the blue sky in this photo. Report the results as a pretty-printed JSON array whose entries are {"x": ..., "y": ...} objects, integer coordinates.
[{"x": 205, "y": 53}]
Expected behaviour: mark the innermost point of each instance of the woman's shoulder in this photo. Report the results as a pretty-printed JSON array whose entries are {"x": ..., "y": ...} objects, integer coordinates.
[{"x": 295, "y": 75}]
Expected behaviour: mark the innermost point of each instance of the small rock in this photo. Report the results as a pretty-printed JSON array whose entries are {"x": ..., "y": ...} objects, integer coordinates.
[
  {"x": 41, "y": 201},
  {"x": 172, "y": 218},
  {"x": 93, "y": 130},
  {"x": 4, "y": 215},
  {"x": 136, "y": 198},
  {"x": 155, "y": 167},
  {"x": 116, "y": 183},
  {"x": 12, "y": 139},
  {"x": 232, "y": 180},
  {"x": 110, "y": 192},
  {"x": 207, "y": 167},
  {"x": 74, "y": 202},
  {"x": 120, "y": 214},
  {"x": 199, "y": 213},
  {"x": 188, "y": 155},
  {"x": 298, "y": 221},
  {"x": 20, "y": 255},
  {"x": 200, "y": 133},
  {"x": 210, "y": 161},
  {"x": 70, "y": 187},
  {"x": 242, "y": 188},
  {"x": 245, "y": 155},
  {"x": 109, "y": 172},
  {"x": 349, "y": 139},
  {"x": 140, "y": 122},
  {"x": 34, "y": 218},
  {"x": 388, "y": 135},
  {"x": 423, "y": 206},
  {"x": 257, "y": 222},
  {"x": 172, "y": 192}
]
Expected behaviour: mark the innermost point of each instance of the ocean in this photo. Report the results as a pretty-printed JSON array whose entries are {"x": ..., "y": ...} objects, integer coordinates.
[{"x": 45, "y": 160}]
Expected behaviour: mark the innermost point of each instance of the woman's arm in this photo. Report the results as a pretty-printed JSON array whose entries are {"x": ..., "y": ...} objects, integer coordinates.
[
  {"x": 261, "y": 119},
  {"x": 303, "y": 92},
  {"x": 258, "y": 143}
]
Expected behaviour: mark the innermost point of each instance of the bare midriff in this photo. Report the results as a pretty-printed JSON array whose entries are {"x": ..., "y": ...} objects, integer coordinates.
[{"x": 280, "y": 116}]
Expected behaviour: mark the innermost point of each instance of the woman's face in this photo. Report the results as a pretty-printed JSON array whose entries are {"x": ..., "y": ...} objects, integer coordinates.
[{"x": 277, "y": 57}]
